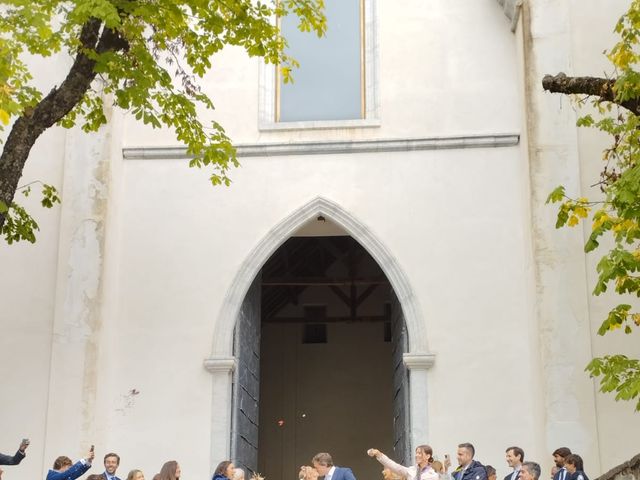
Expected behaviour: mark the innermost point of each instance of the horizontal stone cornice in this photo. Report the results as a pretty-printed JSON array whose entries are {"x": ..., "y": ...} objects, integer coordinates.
[{"x": 337, "y": 147}]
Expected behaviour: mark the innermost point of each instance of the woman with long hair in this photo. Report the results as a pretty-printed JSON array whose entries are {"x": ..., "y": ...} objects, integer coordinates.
[
  {"x": 170, "y": 471},
  {"x": 224, "y": 471},
  {"x": 422, "y": 470}
]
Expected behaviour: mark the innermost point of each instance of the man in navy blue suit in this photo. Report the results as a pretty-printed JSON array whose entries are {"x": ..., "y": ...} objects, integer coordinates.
[
  {"x": 63, "y": 469},
  {"x": 111, "y": 464},
  {"x": 323, "y": 463}
]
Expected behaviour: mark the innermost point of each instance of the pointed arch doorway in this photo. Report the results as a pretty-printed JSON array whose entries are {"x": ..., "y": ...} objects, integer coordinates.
[{"x": 327, "y": 379}]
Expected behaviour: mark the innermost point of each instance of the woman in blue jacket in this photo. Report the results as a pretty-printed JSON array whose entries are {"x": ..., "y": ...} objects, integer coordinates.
[{"x": 224, "y": 471}]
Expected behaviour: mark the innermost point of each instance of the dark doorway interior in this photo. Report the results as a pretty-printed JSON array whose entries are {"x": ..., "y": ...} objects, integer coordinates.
[{"x": 319, "y": 343}]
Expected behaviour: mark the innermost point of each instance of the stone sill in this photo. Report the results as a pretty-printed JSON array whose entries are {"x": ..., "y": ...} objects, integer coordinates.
[{"x": 319, "y": 125}]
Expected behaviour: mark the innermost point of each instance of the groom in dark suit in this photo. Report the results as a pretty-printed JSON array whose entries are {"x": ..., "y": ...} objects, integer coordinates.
[{"x": 323, "y": 463}]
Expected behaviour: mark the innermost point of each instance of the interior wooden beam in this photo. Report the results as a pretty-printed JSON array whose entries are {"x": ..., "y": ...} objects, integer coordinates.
[
  {"x": 341, "y": 295},
  {"x": 367, "y": 318},
  {"x": 322, "y": 281}
]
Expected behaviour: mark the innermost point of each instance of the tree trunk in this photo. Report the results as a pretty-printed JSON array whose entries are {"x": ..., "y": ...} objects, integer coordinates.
[{"x": 53, "y": 107}]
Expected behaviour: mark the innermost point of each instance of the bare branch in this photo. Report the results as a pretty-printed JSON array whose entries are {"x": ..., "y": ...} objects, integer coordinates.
[{"x": 593, "y": 86}]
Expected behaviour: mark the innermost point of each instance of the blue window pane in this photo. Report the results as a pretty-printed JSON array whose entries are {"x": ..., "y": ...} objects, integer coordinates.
[{"x": 327, "y": 86}]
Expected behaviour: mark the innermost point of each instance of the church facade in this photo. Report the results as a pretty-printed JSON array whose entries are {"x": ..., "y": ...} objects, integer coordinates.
[{"x": 383, "y": 271}]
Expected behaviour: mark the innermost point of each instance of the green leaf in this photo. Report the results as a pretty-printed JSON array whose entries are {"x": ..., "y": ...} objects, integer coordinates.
[
  {"x": 586, "y": 121},
  {"x": 557, "y": 195}
]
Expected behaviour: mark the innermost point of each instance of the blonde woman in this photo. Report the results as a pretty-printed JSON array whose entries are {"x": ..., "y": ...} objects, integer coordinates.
[
  {"x": 238, "y": 474},
  {"x": 389, "y": 475},
  {"x": 135, "y": 475}
]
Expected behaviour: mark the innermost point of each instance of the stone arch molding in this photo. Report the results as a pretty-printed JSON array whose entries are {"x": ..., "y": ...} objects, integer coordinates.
[
  {"x": 221, "y": 363},
  {"x": 223, "y": 333}
]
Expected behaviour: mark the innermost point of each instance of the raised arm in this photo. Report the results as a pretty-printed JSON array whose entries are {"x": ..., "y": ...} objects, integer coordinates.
[
  {"x": 17, "y": 458},
  {"x": 401, "y": 470},
  {"x": 74, "y": 471}
]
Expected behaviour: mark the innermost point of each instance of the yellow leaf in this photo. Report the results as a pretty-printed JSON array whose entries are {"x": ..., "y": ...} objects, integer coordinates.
[
  {"x": 599, "y": 218},
  {"x": 581, "y": 212},
  {"x": 4, "y": 117},
  {"x": 573, "y": 221},
  {"x": 636, "y": 318}
]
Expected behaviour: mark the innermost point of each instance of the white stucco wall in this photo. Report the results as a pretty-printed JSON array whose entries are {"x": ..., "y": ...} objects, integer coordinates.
[{"x": 29, "y": 287}]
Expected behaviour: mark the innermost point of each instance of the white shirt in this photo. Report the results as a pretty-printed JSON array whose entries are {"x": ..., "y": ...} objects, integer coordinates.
[
  {"x": 409, "y": 473},
  {"x": 330, "y": 473}
]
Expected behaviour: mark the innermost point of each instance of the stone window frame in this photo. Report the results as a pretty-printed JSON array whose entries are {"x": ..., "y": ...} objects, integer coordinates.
[{"x": 268, "y": 87}]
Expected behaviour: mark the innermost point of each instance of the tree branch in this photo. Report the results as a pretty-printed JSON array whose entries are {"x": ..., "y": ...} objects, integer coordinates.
[
  {"x": 52, "y": 108},
  {"x": 593, "y": 86}
]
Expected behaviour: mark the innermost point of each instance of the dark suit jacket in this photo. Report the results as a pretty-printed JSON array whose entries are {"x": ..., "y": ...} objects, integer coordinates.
[
  {"x": 342, "y": 473},
  {"x": 577, "y": 475},
  {"x": 558, "y": 475},
  {"x": 475, "y": 471},
  {"x": 508, "y": 477},
  {"x": 8, "y": 460},
  {"x": 104, "y": 475}
]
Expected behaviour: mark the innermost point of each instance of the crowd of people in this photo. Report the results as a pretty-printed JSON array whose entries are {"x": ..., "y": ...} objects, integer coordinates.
[
  {"x": 568, "y": 466},
  {"x": 64, "y": 468}
]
